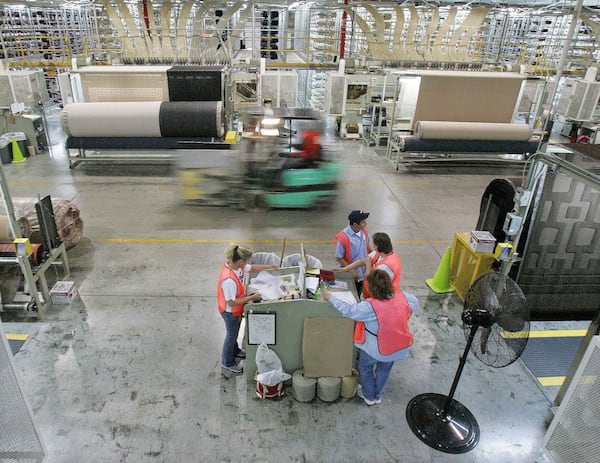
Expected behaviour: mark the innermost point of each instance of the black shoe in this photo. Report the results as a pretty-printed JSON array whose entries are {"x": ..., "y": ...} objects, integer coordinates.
[{"x": 241, "y": 354}]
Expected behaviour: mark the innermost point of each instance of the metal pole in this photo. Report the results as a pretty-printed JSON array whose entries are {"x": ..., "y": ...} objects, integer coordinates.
[
  {"x": 8, "y": 205},
  {"x": 461, "y": 365}
]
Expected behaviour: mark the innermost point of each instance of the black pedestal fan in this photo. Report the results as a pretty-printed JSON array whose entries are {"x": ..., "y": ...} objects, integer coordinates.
[{"x": 496, "y": 323}]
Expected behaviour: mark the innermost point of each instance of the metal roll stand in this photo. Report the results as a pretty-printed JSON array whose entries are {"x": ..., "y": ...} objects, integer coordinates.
[{"x": 35, "y": 282}]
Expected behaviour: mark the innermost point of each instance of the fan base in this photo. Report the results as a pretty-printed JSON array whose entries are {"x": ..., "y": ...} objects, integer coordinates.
[{"x": 457, "y": 432}]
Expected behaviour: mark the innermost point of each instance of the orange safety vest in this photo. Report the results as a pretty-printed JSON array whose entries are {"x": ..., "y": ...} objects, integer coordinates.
[
  {"x": 393, "y": 262},
  {"x": 344, "y": 240},
  {"x": 392, "y": 316},
  {"x": 226, "y": 272}
]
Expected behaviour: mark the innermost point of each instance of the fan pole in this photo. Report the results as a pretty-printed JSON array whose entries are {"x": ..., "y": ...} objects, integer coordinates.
[{"x": 461, "y": 365}]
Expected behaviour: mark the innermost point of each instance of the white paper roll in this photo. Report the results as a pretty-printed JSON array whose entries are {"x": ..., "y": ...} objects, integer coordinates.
[
  {"x": 114, "y": 119},
  {"x": 448, "y": 130}
]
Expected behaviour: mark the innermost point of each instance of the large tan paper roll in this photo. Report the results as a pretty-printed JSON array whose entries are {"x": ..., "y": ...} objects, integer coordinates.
[
  {"x": 448, "y": 130},
  {"x": 115, "y": 119}
]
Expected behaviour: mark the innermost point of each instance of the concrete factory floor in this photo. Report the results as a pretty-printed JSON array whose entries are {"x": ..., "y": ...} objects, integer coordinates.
[{"x": 130, "y": 371}]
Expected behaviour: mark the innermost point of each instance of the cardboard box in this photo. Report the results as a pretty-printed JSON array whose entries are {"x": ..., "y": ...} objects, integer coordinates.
[
  {"x": 63, "y": 292},
  {"x": 482, "y": 241}
]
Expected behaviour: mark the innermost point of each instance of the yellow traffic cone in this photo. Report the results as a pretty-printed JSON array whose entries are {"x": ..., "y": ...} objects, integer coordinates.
[
  {"x": 16, "y": 152},
  {"x": 440, "y": 283}
]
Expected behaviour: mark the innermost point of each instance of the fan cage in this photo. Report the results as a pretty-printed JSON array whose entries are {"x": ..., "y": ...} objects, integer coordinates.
[{"x": 505, "y": 340}]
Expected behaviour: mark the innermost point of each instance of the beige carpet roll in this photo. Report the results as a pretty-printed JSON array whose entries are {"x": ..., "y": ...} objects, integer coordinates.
[
  {"x": 303, "y": 389},
  {"x": 112, "y": 119},
  {"x": 328, "y": 388},
  {"x": 449, "y": 130},
  {"x": 6, "y": 235}
]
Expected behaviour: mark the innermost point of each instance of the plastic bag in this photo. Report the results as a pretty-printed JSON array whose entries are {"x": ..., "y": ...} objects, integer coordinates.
[
  {"x": 273, "y": 377},
  {"x": 266, "y": 359},
  {"x": 269, "y": 369}
]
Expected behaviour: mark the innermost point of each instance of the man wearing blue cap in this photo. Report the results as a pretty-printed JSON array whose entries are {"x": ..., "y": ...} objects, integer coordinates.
[{"x": 352, "y": 244}]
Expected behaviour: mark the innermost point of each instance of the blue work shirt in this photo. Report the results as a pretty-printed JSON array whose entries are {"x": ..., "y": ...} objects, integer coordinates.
[
  {"x": 364, "y": 312},
  {"x": 358, "y": 249}
]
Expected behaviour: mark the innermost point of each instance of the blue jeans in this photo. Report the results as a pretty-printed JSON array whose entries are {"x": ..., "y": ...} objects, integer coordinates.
[
  {"x": 374, "y": 375},
  {"x": 230, "y": 345}
]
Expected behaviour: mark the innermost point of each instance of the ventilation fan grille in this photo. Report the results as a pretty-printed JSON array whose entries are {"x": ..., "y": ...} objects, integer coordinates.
[{"x": 504, "y": 341}]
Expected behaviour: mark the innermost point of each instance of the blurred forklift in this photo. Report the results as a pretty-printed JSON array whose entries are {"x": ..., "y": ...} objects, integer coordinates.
[{"x": 277, "y": 159}]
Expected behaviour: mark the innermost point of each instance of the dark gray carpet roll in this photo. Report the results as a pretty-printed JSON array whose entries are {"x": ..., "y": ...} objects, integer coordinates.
[
  {"x": 412, "y": 144},
  {"x": 191, "y": 119}
]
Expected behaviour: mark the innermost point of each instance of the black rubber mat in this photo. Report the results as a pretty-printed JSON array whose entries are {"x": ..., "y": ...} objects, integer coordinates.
[
  {"x": 15, "y": 345},
  {"x": 551, "y": 356}
]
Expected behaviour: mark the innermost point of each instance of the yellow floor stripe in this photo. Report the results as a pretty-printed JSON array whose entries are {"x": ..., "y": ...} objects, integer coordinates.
[
  {"x": 17, "y": 337},
  {"x": 544, "y": 334},
  {"x": 209, "y": 241},
  {"x": 557, "y": 333},
  {"x": 559, "y": 380},
  {"x": 406, "y": 185},
  {"x": 551, "y": 380}
]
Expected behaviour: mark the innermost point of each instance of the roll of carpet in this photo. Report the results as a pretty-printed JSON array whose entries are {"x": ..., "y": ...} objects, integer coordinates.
[
  {"x": 112, "y": 119},
  {"x": 303, "y": 389},
  {"x": 412, "y": 144},
  {"x": 328, "y": 388},
  {"x": 449, "y": 130},
  {"x": 69, "y": 224},
  {"x": 349, "y": 385},
  {"x": 6, "y": 235},
  {"x": 191, "y": 119},
  {"x": 144, "y": 119}
]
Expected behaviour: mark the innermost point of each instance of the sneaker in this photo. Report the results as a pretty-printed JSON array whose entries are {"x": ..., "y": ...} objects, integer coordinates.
[
  {"x": 234, "y": 368},
  {"x": 241, "y": 354},
  {"x": 360, "y": 394}
]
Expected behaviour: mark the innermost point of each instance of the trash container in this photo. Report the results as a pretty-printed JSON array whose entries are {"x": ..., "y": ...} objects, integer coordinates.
[
  {"x": 5, "y": 155},
  {"x": 21, "y": 141}
]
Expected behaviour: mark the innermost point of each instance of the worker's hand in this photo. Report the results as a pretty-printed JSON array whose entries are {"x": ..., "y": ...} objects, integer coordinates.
[
  {"x": 256, "y": 297},
  {"x": 274, "y": 266}
]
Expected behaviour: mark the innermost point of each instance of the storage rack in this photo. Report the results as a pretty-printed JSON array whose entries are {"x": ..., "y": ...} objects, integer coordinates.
[
  {"x": 269, "y": 34},
  {"x": 42, "y": 36},
  {"x": 381, "y": 102},
  {"x": 509, "y": 35}
]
